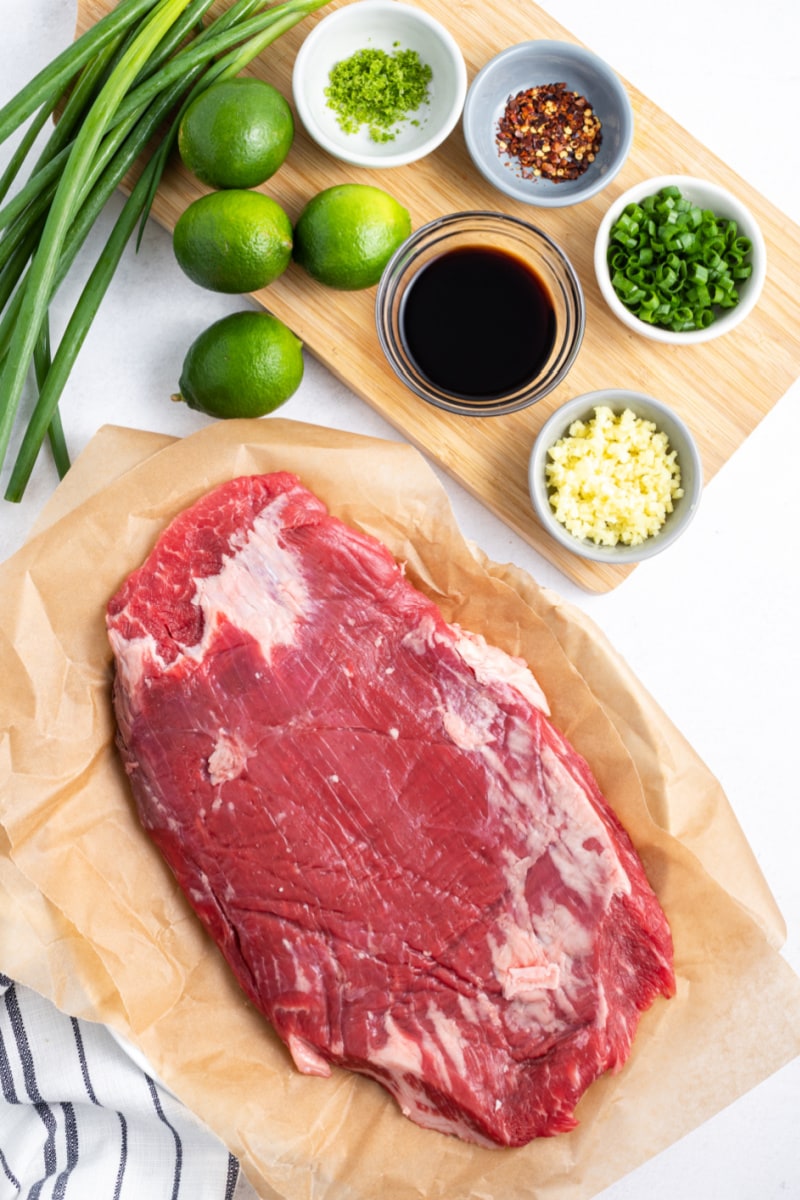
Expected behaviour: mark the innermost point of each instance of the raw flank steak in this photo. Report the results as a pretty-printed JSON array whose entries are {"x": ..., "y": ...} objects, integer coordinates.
[{"x": 408, "y": 869}]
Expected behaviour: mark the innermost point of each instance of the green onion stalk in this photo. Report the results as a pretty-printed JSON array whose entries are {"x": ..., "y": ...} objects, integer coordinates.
[{"x": 119, "y": 87}]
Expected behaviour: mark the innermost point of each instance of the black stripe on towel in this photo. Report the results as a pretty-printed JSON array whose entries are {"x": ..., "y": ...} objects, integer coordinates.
[
  {"x": 71, "y": 1138},
  {"x": 176, "y": 1180},
  {"x": 29, "y": 1076},
  {"x": 90, "y": 1092},
  {"x": 9, "y": 1174},
  {"x": 10, "y": 1094},
  {"x": 233, "y": 1177}
]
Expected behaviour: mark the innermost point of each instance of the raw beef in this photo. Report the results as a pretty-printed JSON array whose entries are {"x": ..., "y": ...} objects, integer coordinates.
[{"x": 408, "y": 869}]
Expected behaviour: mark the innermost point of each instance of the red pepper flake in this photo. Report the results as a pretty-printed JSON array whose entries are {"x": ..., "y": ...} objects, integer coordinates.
[{"x": 551, "y": 132}]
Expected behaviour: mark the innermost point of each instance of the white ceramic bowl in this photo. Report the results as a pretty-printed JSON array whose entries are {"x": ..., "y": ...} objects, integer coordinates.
[
  {"x": 540, "y": 62},
  {"x": 382, "y": 25},
  {"x": 680, "y": 440},
  {"x": 709, "y": 196}
]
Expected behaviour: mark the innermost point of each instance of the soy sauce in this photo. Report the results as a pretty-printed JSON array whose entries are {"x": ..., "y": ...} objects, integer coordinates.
[{"x": 478, "y": 322}]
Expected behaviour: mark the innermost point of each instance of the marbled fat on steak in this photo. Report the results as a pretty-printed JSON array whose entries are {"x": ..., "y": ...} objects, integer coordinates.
[{"x": 408, "y": 869}]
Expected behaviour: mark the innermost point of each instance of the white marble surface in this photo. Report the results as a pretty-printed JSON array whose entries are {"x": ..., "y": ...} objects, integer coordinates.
[{"x": 711, "y": 627}]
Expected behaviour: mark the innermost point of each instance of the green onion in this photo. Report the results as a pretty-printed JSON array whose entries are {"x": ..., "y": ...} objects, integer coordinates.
[
  {"x": 22, "y": 150},
  {"x": 53, "y": 382},
  {"x": 42, "y": 363},
  {"x": 675, "y": 264},
  {"x": 66, "y": 201},
  {"x": 52, "y": 82},
  {"x": 116, "y": 87}
]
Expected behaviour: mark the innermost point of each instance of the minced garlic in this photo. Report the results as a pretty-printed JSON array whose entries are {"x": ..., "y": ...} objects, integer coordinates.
[{"x": 613, "y": 478}]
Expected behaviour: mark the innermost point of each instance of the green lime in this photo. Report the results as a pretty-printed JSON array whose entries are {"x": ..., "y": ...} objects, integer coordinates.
[
  {"x": 233, "y": 241},
  {"x": 236, "y": 133},
  {"x": 345, "y": 235},
  {"x": 244, "y": 365}
]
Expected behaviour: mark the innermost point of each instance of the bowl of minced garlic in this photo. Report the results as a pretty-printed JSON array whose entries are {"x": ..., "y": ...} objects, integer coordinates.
[{"x": 615, "y": 476}]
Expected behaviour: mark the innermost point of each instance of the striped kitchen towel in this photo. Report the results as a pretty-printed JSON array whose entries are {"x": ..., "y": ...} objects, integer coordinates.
[{"x": 80, "y": 1120}]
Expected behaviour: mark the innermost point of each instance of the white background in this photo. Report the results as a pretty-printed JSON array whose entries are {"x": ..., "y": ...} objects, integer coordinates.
[{"x": 711, "y": 627}]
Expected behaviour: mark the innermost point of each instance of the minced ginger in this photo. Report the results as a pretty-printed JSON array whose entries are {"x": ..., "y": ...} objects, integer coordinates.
[{"x": 613, "y": 479}]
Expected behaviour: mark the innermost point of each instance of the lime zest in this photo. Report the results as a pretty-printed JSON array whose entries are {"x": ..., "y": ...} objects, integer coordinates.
[{"x": 378, "y": 90}]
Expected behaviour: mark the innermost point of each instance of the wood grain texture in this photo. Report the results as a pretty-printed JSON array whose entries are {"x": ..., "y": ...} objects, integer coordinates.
[{"x": 722, "y": 388}]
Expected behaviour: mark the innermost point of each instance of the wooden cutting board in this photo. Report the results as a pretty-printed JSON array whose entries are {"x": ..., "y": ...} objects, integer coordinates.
[{"x": 722, "y": 388}]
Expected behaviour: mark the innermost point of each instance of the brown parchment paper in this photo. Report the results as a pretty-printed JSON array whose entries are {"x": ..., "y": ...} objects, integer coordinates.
[{"x": 92, "y": 919}]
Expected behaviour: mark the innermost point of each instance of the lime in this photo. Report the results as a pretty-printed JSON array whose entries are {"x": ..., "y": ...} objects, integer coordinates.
[
  {"x": 233, "y": 241},
  {"x": 346, "y": 234},
  {"x": 236, "y": 133},
  {"x": 244, "y": 365}
]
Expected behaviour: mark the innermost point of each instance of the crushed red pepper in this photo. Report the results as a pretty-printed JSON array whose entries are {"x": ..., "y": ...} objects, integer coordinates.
[{"x": 552, "y": 132}]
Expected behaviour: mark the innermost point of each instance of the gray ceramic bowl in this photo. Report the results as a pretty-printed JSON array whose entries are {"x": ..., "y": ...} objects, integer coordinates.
[
  {"x": 535, "y": 63},
  {"x": 680, "y": 440}
]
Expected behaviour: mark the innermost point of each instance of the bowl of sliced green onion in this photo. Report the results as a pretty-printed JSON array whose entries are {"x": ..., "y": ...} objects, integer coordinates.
[{"x": 679, "y": 259}]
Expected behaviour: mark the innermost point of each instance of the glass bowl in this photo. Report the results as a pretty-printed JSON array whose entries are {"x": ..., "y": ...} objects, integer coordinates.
[{"x": 449, "y": 329}]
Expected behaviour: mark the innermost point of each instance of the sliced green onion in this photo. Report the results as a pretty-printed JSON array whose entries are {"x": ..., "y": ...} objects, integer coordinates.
[{"x": 674, "y": 264}]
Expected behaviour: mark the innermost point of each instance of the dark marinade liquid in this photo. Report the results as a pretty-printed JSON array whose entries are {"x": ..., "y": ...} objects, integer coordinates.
[{"x": 477, "y": 322}]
